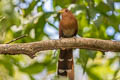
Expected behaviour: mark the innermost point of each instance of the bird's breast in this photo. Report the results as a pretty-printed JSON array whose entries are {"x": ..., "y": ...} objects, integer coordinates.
[
  {"x": 68, "y": 26},
  {"x": 68, "y": 32}
]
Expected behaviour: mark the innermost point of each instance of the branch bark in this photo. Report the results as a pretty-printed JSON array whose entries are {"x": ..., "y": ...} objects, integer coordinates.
[{"x": 83, "y": 43}]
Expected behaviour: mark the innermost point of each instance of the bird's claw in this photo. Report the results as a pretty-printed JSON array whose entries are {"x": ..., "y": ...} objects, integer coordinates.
[{"x": 63, "y": 48}]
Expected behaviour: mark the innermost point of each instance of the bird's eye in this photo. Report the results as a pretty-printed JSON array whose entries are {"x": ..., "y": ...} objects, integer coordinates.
[{"x": 66, "y": 10}]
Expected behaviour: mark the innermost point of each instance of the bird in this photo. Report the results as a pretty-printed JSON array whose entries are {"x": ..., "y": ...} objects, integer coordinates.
[{"x": 68, "y": 28}]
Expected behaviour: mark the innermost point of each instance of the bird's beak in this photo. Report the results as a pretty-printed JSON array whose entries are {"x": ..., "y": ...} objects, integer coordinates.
[{"x": 61, "y": 11}]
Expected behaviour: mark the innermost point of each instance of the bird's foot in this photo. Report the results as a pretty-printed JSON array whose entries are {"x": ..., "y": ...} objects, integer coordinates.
[
  {"x": 62, "y": 48},
  {"x": 61, "y": 38},
  {"x": 74, "y": 37}
]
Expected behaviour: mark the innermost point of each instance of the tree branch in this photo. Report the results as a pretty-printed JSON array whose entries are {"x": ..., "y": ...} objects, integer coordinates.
[{"x": 83, "y": 43}]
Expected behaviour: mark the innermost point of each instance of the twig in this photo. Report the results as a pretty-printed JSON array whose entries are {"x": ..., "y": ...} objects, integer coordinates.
[
  {"x": 20, "y": 37},
  {"x": 1, "y": 18}
]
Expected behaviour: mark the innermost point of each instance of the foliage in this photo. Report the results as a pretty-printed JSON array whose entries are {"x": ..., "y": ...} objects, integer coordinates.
[{"x": 39, "y": 20}]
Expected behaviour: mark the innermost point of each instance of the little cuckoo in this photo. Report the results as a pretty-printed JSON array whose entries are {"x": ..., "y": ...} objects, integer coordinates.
[{"x": 68, "y": 27}]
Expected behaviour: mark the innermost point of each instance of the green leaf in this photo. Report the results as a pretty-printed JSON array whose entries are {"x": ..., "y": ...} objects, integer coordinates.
[
  {"x": 39, "y": 27},
  {"x": 31, "y": 77},
  {"x": 102, "y": 8},
  {"x": 111, "y": 4},
  {"x": 114, "y": 21},
  {"x": 30, "y": 8},
  {"x": 52, "y": 25},
  {"x": 92, "y": 75},
  {"x": 84, "y": 56},
  {"x": 62, "y": 4},
  {"x": 33, "y": 68},
  {"x": 8, "y": 63},
  {"x": 99, "y": 21}
]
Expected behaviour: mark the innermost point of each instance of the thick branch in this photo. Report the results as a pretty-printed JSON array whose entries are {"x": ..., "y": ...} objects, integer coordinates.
[{"x": 84, "y": 43}]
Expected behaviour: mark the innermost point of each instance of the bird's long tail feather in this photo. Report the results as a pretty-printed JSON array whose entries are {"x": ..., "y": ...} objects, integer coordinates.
[{"x": 65, "y": 64}]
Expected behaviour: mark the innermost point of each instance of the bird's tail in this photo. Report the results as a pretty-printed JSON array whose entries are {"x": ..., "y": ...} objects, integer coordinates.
[{"x": 65, "y": 64}]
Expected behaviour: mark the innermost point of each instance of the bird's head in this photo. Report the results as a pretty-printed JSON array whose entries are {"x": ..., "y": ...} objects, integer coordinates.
[{"x": 65, "y": 12}]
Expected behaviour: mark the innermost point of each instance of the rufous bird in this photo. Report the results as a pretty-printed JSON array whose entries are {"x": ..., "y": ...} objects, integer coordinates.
[{"x": 68, "y": 28}]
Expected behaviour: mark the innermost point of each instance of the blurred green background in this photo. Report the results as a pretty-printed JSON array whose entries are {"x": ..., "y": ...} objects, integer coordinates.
[{"x": 39, "y": 20}]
